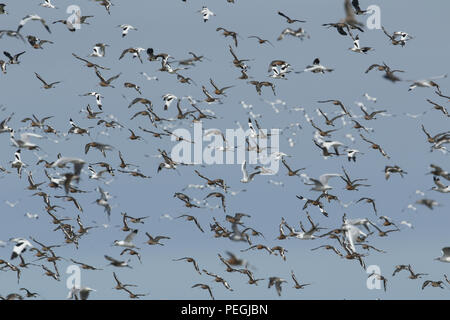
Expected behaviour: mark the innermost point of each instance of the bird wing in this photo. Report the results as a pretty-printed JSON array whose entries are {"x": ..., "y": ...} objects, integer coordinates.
[
  {"x": 131, "y": 236},
  {"x": 446, "y": 251},
  {"x": 325, "y": 177},
  {"x": 355, "y": 4},
  {"x": 124, "y": 52},
  {"x": 283, "y": 15},
  {"x": 111, "y": 259},
  {"x": 244, "y": 170},
  {"x": 114, "y": 78},
  {"x": 99, "y": 76},
  {"x": 438, "y": 182},
  {"x": 40, "y": 78}
]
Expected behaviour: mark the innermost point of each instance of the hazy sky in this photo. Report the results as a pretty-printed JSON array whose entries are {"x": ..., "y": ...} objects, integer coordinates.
[{"x": 175, "y": 27}]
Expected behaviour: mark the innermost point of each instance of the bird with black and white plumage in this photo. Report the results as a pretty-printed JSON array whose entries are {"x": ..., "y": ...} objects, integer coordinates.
[
  {"x": 439, "y": 186},
  {"x": 21, "y": 245},
  {"x": 316, "y": 67},
  {"x": 48, "y": 4},
  {"x": 99, "y": 50},
  {"x": 126, "y": 28},
  {"x": 206, "y": 13},
  {"x": 2, "y": 8},
  {"x": 356, "y": 46}
]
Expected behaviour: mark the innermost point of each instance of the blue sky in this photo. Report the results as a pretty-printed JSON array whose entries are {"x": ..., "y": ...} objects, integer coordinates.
[{"x": 176, "y": 28}]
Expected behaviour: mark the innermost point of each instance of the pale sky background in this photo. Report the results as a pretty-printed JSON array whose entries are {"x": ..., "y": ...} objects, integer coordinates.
[{"x": 176, "y": 27}]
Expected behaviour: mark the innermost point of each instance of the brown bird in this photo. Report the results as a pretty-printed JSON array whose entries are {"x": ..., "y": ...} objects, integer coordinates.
[
  {"x": 143, "y": 101},
  {"x": 155, "y": 240},
  {"x": 132, "y": 86},
  {"x": 186, "y": 199},
  {"x": 237, "y": 218},
  {"x": 289, "y": 20},
  {"x": 330, "y": 122},
  {"x": 106, "y": 83},
  {"x": 136, "y": 174},
  {"x": 351, "y": 184},
  {"x": 228, "y": 33},
  {"x": 436, "y": 138},
  {"x": 388, "y": 73},
  {"x": 46, "y": 85},
  {"x": 399, "y": 268},
  {"x": 191, "y": 218},
  {"x": 322, "y": 132},
  {"x": 277, "y": 282},
  {"x": 281, "y": 250},
  {"x": 251, "y": 278},
  {"x": 218, "y": 279},
  {"x": 89, "y": 64},
  {"x": 434, "y": 284},
  {"x": 261, "y": 41},
  {"x": 218, "y": 195},
  {"x": 227, "y": 264},
  {"x": 209, "y": 97},
  {"x": 32, "y": 185},
  {"x": 120, "y": 285},
  {"x": 291, "y": 172},
  {"x": 371, "y": 201},
  {"x": 134, "y": 295},
  {"x": 297, "y": 284},
  {"x": 259, "y": 84},
  {"x": 183, "y": 79},
  {"x": 73, "y": 200},
  {"x": 204, "y": 287},
  {"x": 329, "y": 247},
  {"x": 29, "y": 294},
  {"x": 439, "y": 107},
  {"x": 337, "y": 103},
  {"x": 258, "y": 247},
  {"x": 375, "y": 146},
  {"x": 358, "y": 126},
  {"x": 190, "y": 260},
  {"x": 99, "y": 146},
  {"x": 239, "y": 63},
  {"x": 216, "y": 182},
  {"x": 133, "y": 136},
  {"x": 84, "y": 265},
  {"x": 131, "y": 252},
  {"x": 217, "y": 90},
  {"x": 371, "y": 116},
  {"x": 91, "y": 114},
  {"x": 379, "y": 277},
  {"x": 414, "y": 275}
]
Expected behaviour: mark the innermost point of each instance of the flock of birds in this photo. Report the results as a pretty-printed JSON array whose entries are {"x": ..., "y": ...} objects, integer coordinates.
[{"x": 66, "y": 175}]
